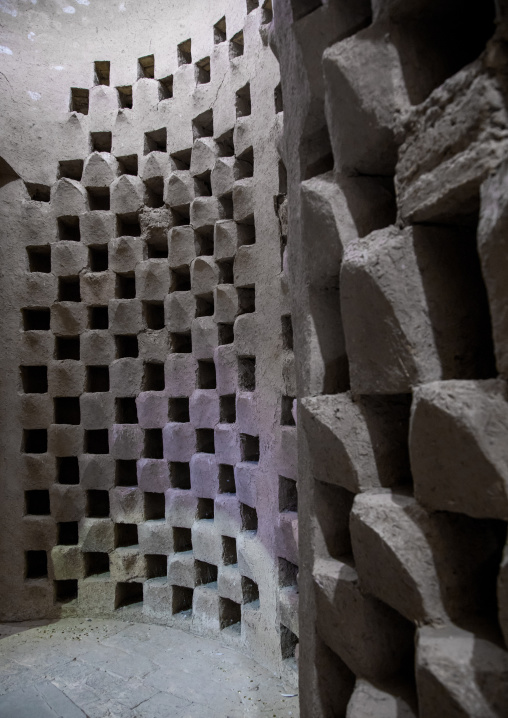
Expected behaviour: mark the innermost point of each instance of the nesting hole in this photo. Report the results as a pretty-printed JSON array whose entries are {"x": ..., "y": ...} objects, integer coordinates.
[
  {"x": 67, "y": 410},
  {"x": 37, "y": 502},
  {"x": 96, "y": 441},
  {"x": 182, "y": 539},
  {"x": 229, "y": 552},
  {"x": 219, "y": 31},
  {"x": 98, "y": 317},
  {"x": 101, "y": 72},
  {"x": 153, "y": 448},
  {"x": 184, "y": 53},
  {"x": 126, "y": 412},
  {"x": 205, "y": 441},
  {"x": 179, "y": 409},
  {"x": 227, "y": 483},
  {"x": 68, "y": 229},
  {"x": 156, "y": 141},
  {"x": 126, "y": 346},
  {"x": 35, "y": 441},
  {"x": 98, "y": 258},
  {"x": 146, "y": 67},
  {"x": 36, "y": 319},
  {"x": 126, "y": 471},
  {"x": 101, "y": 141},
  {"x": 97, "y": 504},
  {"x": 125, "y": 96},
  {"x": 153, "y": 376},
  {"x": 79, "y": 100},
  {"x": 179, "y": 475},
  {"x": 67, "y": 468},
  {"x": 34, "y": 379},
  {"x": 247, "y": 373},
  {"x": 67, "y": 348},
  {"x": 97, "y": 378}
]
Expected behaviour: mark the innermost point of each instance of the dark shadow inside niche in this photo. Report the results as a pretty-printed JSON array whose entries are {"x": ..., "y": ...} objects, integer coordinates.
[
  {"x": 301, "y": 8},
  {"x": 332, "y": 672},
  {"x": 226, "y": 333},
  {"x": 287, "y": 573},
  {"x": 98, "y": 257},
  {"x": 127, "y": 225},
  {"x": 38, "y": 192},
  {"x": 219, "y": 31},
  {"x": 156, "y": 141},
  {"x": 243, "y": 101},
  {"x": 79, "y": 100},
  {"x": 203, "y": 184},
  {"x": 203, "y": 75},
  {"x": 153, "y": 376},
  {"x": 204, "y": 243},
  {"x": 126, "y": 346},
  {"x": 68, "y": 533},
  {"x": 180, "y": 279},
  {"x": 98, "y": 317},
  {"x": 127, "y": 594},
  {"x": 230, "y": 613},
  {"x": 181, "y": 160},
  {"x": 125, "y": 97},
  {"x": 433, "y": 45},
  {"x": 316, "y": 155},
  {"x": 101, "y": 68},
  {"x": 67, "y": 410},
  {"x": 206, "y": 509},
  {"x": 126, "y": 472},
  {"x": 66, "y": 590},
  {"x": 205, "y": 572},
  {"x": 180, "y": 343},
  {"x": 101, "y": 141},
  {"x": 205, "y": 441},
  {"x": 179, "y": 409},
  {"x": 249, "y": 517},
  {"x": 244, "y": 166},
  {"x": 125, "y": 286},
  {"x": 68, "y": 229},
  {"x": 179, "y": 475},
  {"x": 332, "y": 509},
  {"x": 35, "y": 441},
  {"x": 247, "y": 373},
  {"x": 166, "y": 88},
  {"x": 288, "y": 642},
  {"x": 236, "y": 45},
  {"x": 202, "y": 125},
  {"x": 67, "y": 348},
  {"x": 229, "y": 552},
  {"x": 250, "y": 590},
  {"x": 156, "y": 565},
  {"x": 267, "y": 12},
  {"x": 286, "y": 411},
  {"x": 72, "y": 169},
  {"x": 226, "y": 144},
  {"x": 154, "y": 192},
  {"x": 227, "y": 484},
  {"x": 154, "y": 506},
  {"x": 184, "y": 53},
  {"x": 128, "y": 165},
  {"x": 69, "y": 289},
  {"x": 182, "y": 599},
  {"x": 36, "y": 319},
  {"x": 67, "y": 468},
  {"x": 154, "y": 315},
  {"x": 457, "y": 301},
  {"x": 206, "y": 374},
  {"x": 126, "y": 535},
  {"x": 96, "y": 563},
  {"x": 34, "y": 379},
  {"x": 36, "y": 564},
  {"x": 227, "y": 406},
  {"x": 126, "y": 412},
  {"x": 97, "y": 503},
  {"x": 182, "y": 539},
  {"x": 249, "y": 447},
  {"x": 226, "y": 274},
  {"x": 146, "y": 67}
]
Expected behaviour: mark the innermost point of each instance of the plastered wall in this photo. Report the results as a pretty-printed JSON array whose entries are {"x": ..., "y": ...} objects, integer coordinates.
[{"x": 148, "y": 437}]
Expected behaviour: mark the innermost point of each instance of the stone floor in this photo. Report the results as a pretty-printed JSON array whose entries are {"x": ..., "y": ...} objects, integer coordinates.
[{"x": 77, "y": 668}]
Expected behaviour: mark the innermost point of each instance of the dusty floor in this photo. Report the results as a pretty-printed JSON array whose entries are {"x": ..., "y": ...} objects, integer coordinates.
[{"x": 101, "y": 668}]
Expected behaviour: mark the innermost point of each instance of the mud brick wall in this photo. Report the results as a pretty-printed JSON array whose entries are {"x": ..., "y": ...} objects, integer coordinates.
[
  {"x": 395, "y": 143},
  {"x": 150, "y": 439}
]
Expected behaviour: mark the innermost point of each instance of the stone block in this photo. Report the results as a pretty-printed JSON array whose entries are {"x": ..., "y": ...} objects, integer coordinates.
[
  {"x": 366, "y": 69},
  {"x": 125, "y": 316},
  {"x": 97, "y": 535},
  {"x": 155, "y": 537},
  {"x": 246, "y": 480},
  {"x": 442, "y": 163},
  {"x": 68, "y": 198},
  {"x": 127, "y": 194},
  {"x": 360, "y": 444},
  {"x": 432, "y": 563},
  {"x": 179, "y": 442},
  {"x": 204, "y": 275},
  {"x": 96, "y": 471},
  {"x": 127, "y": 564},
  {"x": 226, "y": 239},
  {"x": 395, "y": 701},
  {"x": 97, "y": 347},
  {"x": 179, "y": 189},
  {"x": 68, "y": 258},
  {"x": 428, "y": 324},
  {"x": 125, "y": 377},
  {"x": 225, "y": 303},
  {"x": 182, "y": 569},
  {"x": 67, "y": 502},
  {"x": 97, "y": 227},
  {"x": 227, "y": 444},
  {"x": 126, "y": 441},
  {"x": 68, "y": 318},
  {"x": 65, "y": 440},
  {"x": 180, "y": 373},
  {"x": 68, "y": 562},
  {"x": 181, "y": 507},
  {"x": 204, "y": 474},
  {"x": 492, "y": 247},
  {"x": 372, "y": 639},
  {"x": 126, "y": 505},
  {"x": 152, "y": 410},
  {"x": 96, "y": 595},
  {"x": 227, "y": 516},
  {"x": 243, "y": 200},
  {"x": 153, "y": 475},
  {"x": 180, "y": 308},
  {"x": 205, "y": 610},
  {"x": 226, "y": 369},
  {"x": 459, "y": 457},
  {"x": 182, "y": 250},
  {"x": 97, "y": 287},
  {"x": 152, "y": 279},
  {"x": 206, "y": 542},
  {"x": 204, "y": 408},
  {"x": 125, "y": 253},
  {"x": 223, "y": 176},
  {"x": 100, "y": 170},
  {"x": 97, "y": 410},
  {"x": 460, "y": 673},
  {"x": 204, "y": 153},
  {"x": 205, "y": 337}
]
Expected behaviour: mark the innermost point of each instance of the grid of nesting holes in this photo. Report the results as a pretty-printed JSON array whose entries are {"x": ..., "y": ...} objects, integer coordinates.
[{"x": 102, "y": 415}]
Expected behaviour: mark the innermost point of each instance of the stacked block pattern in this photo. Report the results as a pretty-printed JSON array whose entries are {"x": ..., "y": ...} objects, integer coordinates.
[
  {"x": 158, "y": 455},
  {"x": 397, "y": 248}
]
